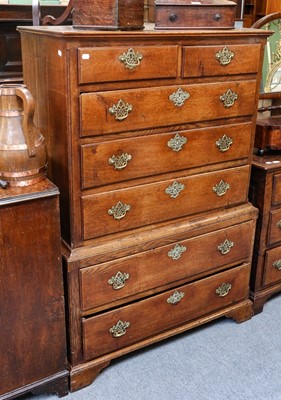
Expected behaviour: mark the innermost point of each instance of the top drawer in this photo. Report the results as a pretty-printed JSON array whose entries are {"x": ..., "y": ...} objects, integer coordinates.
[
  {"x": 199, "y": 61},
  {"x": 109, "y": 64}
]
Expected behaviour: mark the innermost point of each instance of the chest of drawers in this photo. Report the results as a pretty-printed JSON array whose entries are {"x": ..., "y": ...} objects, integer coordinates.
[
  {"x": 265, "y": 193},
  {"x": 150, "y": 137}
]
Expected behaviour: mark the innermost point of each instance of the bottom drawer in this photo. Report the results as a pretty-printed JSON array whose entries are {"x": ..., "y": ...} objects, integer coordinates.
[
  {"x": 121, "y": 327},
  {"x": 272, "y": 266}
]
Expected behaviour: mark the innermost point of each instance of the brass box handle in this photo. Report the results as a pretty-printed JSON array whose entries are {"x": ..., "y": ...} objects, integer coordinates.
[
  {"x": 224, "y": 289},
  {"x": 228, "y": 98},
  {"x": 221, "y": 188},
  {"x": 120, "y": 161},
  {"x": 119, "y": 210},
  {"x": 176, "y": 252},
  {"x": 118, "y": 280},
  {"x": 120, "y": 110},
  {"x": 224, "y": 56},
  {"x": 119, "y": 329},
  {"x": 277, "y": 264},
  {"x": 176, "y": 297},
  {"x": 225, "y": 247},
  {"x": 131, "y": 59}
]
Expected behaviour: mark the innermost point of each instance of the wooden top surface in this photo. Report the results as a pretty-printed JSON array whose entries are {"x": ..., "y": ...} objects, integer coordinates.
[
  {"x": 70, "y": 31},
  {"x": 44, "y": 188}
]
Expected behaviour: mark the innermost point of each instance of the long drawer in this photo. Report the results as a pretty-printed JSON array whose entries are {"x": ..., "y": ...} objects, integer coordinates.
[
  {"x": 120, "y": 110},
  {"x": 124, "y": 159},
  {"x": 128, "y": 208},
  {"x": 121, "y": 327},
  {"x": 106, "y": 283}
]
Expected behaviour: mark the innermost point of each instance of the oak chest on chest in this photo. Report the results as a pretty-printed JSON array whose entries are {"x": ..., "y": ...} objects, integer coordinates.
[{"x": 150, "y": 139}]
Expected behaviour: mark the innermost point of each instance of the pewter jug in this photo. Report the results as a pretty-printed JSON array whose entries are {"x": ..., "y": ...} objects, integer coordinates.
[{"x": 23, "y": 154}]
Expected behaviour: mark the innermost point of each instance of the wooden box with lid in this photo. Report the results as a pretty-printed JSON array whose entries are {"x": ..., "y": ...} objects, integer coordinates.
[
  {"x": 108, "y": 14},
  {"x": 150, "y": 138},
  {"x": 189, "y": 14}
]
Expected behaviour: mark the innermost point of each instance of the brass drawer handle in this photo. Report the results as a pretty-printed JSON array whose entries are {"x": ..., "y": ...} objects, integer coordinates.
[
  {"x": 118, "y": 281},
  {"x": 224, "y": 143},
  {"x": 221, "y": 188},
  {"x": 179, "y": 97},
  {"x": 119, "y": 329},
  {"x": 120, "y": 161},
  {"x": 120, "y": 110},
  {"x": 176, "y": 252},
  {"x": 131, "y": 59},
  {"x": 174, "y": 190},
  {"x": 225, "y": 247},
  {"x": 277, "y": 265},
  {"x": 224, "y": 56},
  {"x": 175, "y": 297},
  {"x": 119, "y": 210},
  {"x": 177, "y": 142},
  {"x": 224, "y": 289},
  {"x": 279, "y": 224},
  {"x": 228, "y": 98}
]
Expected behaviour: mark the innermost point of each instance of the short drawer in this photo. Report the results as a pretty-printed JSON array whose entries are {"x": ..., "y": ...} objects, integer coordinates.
[
  {"x": 274, "y": 234},
  {"x": 137, "y": 109},
  {"x": 109, "y": 64},
  {"x": 276, "y": 189},
  {"x": 203, "y": 61},
  {"x": 272, "y": 271},
  {"x": 132, "y": 207},
  {"x": 124, "y": 159},
  {"x": 121, "y": 279},
  {"x": 132, "y": 323}
]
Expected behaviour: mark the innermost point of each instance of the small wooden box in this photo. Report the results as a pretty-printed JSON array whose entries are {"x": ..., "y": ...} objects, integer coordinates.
[
  {"x": 191, "y": 14},
  {"x": 108, "y": 14}
]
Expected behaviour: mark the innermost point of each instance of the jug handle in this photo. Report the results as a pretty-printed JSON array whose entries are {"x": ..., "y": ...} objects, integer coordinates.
[{"x": 27, "y": 124}]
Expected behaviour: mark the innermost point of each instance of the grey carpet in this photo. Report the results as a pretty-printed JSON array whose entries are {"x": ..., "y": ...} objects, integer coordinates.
[{"x": 218, "y": 361}]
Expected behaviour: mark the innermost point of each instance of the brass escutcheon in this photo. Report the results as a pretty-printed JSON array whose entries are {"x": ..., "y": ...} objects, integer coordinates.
[
  {"x": 224, "y": 289},
  {"x": 120, "y": 161},
  {"x": 120, "y": 110},
  {"x": 228, "y": 98},
  {"x": 174, "y": 190},
  {"x": 221, "y": 188},
  {"x": 224, "y": 56},
  {"x": 118, "y": 281},
  {"x": 175, "y": 297},
  {"x": 179, "y": 97},
  {"x": 277, "y": 265},
  {"x": 279, "y": 224},
  {"x": 225, "y": 247},
  {"x": 119, "y": 210},
  {"x": 131, "y": 59},
  {"x": 176, "y": 252},
  {"x": 119, "y": 329},
  {"x": 224, "y": 143},
  {"x": 177, "y": 142}
]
